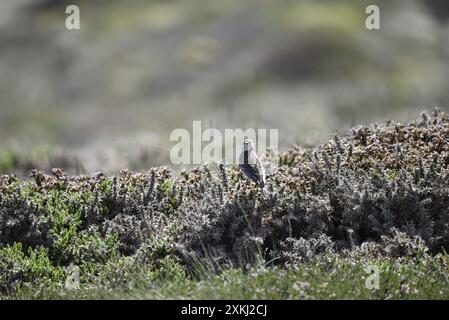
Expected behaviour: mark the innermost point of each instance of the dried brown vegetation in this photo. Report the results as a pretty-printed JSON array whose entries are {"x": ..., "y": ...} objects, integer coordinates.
[{"x": 379, "y": 191}]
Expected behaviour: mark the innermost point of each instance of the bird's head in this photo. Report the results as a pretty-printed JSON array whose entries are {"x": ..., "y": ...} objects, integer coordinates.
[{"x": 248, "y": 145}]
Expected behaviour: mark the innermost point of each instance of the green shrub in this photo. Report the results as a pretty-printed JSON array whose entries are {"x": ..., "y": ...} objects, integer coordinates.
[
  {"x": 380, "y": 192},
  {"x": 20, "y": 270}
]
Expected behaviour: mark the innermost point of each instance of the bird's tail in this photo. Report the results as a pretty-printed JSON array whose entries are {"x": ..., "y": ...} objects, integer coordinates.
[{"x": 264, "y": 192}]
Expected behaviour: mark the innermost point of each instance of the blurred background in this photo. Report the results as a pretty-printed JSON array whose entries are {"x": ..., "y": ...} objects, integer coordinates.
[{"x": 106, "y": 97}]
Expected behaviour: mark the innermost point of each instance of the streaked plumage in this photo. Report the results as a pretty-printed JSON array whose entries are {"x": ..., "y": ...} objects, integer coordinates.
[{"x": 251, "y": 165}]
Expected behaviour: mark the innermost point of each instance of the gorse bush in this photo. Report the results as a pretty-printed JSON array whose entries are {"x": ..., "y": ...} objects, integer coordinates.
[
  {"x": 380, "y": 191},
  {"x": 32, "y": 267}
]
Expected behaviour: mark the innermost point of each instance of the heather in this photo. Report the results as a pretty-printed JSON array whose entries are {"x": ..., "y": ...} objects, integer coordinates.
[{"x": 376, "y": 195}]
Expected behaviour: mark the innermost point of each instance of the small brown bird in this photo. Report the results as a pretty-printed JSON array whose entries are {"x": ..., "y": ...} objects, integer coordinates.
[{"x": 251, "y": 165}]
